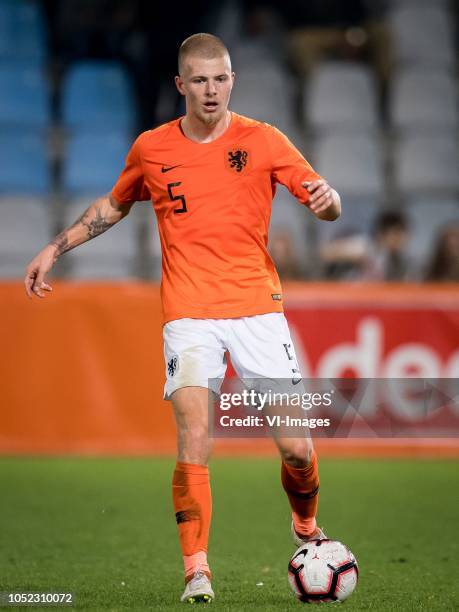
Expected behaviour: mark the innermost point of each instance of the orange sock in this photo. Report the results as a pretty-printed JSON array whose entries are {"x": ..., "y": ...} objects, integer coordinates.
[
  {"x": 302, "y": 488},
  {"x": 193, "y": 509}
]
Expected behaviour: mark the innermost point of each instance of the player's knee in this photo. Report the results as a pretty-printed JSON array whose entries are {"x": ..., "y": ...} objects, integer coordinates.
[
  {"x": 194, "y": 445},
  {"x": 297, "y": 454},
  {"x": 198, "y": 435}
]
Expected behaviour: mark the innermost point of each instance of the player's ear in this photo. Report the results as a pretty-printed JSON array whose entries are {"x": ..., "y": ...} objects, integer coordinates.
[
  {"x": 232, "y": 81},
  {"x": 179, "y": 85}
]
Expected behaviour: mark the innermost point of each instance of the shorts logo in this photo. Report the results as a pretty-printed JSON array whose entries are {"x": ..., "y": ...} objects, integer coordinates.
[
  {"x": 236, "y": 159},
  {"x": 172, "y": 365},
  {"x": 276, "y": 296}
]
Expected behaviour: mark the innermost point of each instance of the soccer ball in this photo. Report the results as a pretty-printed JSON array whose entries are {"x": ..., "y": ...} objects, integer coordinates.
[{"x": 323, "y": 571}]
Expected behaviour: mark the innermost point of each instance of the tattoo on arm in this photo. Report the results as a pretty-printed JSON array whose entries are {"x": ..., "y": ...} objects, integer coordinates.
[
  {"x": 94, "y": 228},
  {"x": 97, "y": 226},
  {"x": 61, "y": 242}
]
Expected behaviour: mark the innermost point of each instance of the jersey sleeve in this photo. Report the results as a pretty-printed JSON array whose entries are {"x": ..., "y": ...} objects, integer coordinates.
[
  {"x": 289, "y": 167},
  {"x": 130, "y": 186}
]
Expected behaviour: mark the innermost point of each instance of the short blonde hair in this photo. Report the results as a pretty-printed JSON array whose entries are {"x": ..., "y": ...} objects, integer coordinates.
[{"x": 202, "y": 45}]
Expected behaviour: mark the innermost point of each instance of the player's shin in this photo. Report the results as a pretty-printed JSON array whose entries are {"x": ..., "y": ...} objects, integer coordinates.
[
  {"x": 302, "y": 487},
  {"x": 193, "y": 509}
]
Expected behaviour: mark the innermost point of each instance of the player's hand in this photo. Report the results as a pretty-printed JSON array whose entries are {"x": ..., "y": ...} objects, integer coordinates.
[
  {"x": 37, "y": 270},
  {"x": 321, "y": 196}
]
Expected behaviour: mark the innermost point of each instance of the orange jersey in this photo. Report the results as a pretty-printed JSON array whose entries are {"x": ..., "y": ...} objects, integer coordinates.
[{"x": 213, "y": 205}]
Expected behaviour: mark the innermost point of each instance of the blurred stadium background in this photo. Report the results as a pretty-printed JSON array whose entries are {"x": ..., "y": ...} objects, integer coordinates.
[{"x": 367, "y": 89}]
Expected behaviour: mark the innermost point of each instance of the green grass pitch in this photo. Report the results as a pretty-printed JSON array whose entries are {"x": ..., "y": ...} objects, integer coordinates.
[{"x": 104, "y": 529}]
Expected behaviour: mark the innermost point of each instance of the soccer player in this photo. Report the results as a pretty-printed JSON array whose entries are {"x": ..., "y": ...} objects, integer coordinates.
[{"x": 211, "y": 176}]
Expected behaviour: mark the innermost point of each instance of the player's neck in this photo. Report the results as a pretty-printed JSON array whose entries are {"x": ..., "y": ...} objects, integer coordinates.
[{"x": 198, "y": 131}]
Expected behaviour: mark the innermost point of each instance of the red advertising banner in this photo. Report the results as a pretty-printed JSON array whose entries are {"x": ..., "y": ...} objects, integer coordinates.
[
  {"x": 369, "y": 332},
  {"x": 392, "y": 332}
]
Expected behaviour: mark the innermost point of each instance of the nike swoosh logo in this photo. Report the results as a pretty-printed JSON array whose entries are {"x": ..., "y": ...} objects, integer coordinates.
[{"x": 167, "y": 168}]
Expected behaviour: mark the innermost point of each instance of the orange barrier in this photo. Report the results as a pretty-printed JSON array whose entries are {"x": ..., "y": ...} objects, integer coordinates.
[{"x": 82, "y": 371}]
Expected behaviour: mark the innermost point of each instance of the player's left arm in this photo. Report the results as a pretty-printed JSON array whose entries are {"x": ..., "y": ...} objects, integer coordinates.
[
  {"x": 290, "y": 168},
  {"x": 323, "y": 200}
]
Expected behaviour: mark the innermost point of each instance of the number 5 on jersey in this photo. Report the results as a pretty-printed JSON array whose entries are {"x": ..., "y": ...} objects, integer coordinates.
[{"x": 173, "y": 198}]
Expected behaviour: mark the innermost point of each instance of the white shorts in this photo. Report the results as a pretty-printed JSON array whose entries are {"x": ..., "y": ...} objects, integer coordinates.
[{"x": 260, "y": 347}]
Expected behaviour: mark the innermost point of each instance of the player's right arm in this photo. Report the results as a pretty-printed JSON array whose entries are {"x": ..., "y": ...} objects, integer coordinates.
[{"x": 97, "y": 219}]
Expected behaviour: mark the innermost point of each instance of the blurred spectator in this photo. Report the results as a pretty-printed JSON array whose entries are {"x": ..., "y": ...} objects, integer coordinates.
[
  {"x": 346, "y": 256},
  {"x": 388, "y": 259},
  {"x": 283, "y": 253},
  {"x": 352, "y": 256},
  {"x": 444, "y": 265}
]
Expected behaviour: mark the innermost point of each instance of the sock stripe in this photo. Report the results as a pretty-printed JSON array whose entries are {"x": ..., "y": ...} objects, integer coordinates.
[
  {"x": 187, "y": 515},
  {"x": 298, "y": 495}
]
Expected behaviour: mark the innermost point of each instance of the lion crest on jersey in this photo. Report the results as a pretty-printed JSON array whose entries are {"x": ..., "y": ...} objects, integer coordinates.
[{"x": 236, "y": 159}]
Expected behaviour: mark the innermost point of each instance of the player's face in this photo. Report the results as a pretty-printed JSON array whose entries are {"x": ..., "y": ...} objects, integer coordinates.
[{"x": 206, "y": 85}]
